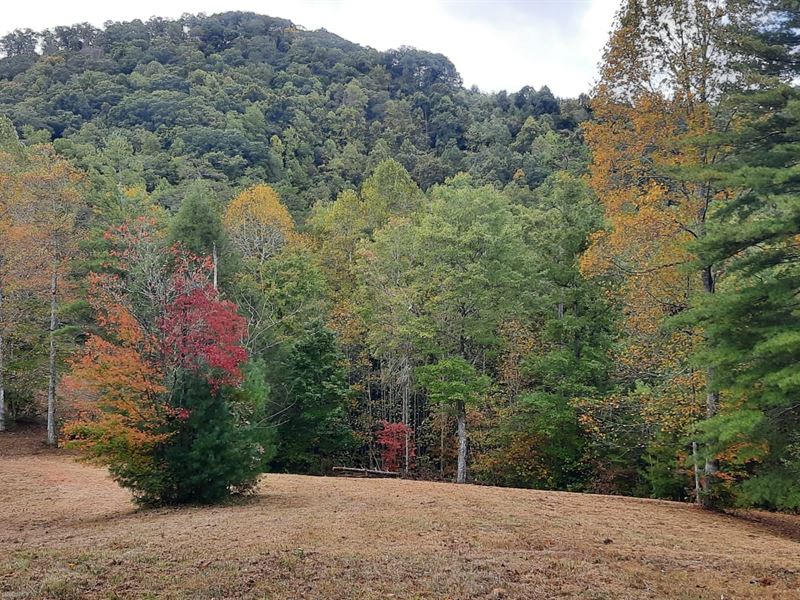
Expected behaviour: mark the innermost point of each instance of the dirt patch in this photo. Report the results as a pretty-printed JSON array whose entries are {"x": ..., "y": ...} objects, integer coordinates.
[{"x": 67, "y": 531}]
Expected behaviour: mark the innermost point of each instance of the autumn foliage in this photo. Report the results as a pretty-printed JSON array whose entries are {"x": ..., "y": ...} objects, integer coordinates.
[
  {"x": 150, "y": 387},
  {"x": 117, "y": 390},
  {"x": 392, "y": 440},
  {"x": 259, "y": 225},
  {"x": 203, "y": 334}
]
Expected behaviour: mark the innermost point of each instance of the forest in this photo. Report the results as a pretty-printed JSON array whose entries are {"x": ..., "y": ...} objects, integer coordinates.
[{"x": 231, "y": 246}]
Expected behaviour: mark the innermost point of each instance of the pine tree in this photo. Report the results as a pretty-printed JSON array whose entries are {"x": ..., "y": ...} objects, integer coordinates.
[
  {"x": 197, "y": 227},
  {"x": 753, "y": 323},
  {"x": 210, "y": 454}
]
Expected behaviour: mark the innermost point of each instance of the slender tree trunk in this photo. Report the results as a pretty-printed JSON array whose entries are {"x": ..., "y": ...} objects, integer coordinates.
[
  {"x": 2, "y": 365},
  {"x": 405, "y": 387},
  {"x": 441, "y": 440},
  {"x": 461, "y": 476},
  {"x": 712, "y": 402},
  {"x": 215, "y": 261},
  {"x": 51, "y": 387},
  {"x": 697, "y": 489}
]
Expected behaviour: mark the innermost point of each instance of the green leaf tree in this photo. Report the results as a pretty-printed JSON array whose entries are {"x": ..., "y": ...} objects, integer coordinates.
[{"x": 455, "y": 384}]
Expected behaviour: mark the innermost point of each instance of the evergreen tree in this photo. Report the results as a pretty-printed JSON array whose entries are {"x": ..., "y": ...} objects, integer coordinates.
[
  {"x": 753, "y": 323},
  {"x": 309, "y": 409},
  {"x": 210, "y": 454},
  {"x": 197, "y": 226}
]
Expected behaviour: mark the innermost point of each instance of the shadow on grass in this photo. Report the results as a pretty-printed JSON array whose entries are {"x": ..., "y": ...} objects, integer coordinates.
[
  {"x": 272, "y": 501},
  {"x": 782, "y": 525}
]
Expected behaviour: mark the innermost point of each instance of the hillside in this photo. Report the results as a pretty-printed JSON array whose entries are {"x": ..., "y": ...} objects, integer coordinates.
[
  {"x": 69, "y": 532},
  {"x": 238, "y": 98}
]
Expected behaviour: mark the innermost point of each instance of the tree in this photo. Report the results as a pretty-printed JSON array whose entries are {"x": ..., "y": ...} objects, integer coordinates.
[
  {"x": 278, "y": 286},
  {"x": 389, "y": 191},
  {"x": 259, "y": 225},
  {"x": 470, "y": 264},
  {"x": 19, "y": 42},
  {"x": 386, "y": 300},
  {"x": 556, "y": 359},
  {"x": 198, "y": 227},
  {"x": 355, "y": 249},
  {"x": 395, "y": 449},
  {"x": 10, "y": 149},
  {"x": 663, "y": 71},
  {"x": 49, "y": 199},
  {"x": 454, "y": 383},
  {"x": 210, "y": 455},
  {"x": 472, "y": 269},
  {"x": 3, "y": 324},
  {"x": 201, "y": 333},
  {"x": 166, "y": 406},
  {"x": 116, "y": 390},
  {"x": 308, "y": 401},
  {"x": 752, "y": 324}
]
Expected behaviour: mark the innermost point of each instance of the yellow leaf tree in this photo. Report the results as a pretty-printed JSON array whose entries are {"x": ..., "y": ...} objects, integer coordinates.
[
  {"x": 259, "y": 224},
  {"x": 42, "y": 196},
  {"x": 662, "y": 73}
]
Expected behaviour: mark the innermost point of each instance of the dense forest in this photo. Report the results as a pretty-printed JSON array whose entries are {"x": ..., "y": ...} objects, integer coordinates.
[{"x": 230, "y": 245}]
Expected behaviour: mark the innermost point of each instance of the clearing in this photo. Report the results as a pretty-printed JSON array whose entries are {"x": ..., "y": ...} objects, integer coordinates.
[{"x": 67, "y": 531}]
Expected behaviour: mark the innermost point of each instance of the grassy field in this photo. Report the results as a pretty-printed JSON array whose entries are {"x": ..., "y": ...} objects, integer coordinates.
[{"x": 67, "y": 531}]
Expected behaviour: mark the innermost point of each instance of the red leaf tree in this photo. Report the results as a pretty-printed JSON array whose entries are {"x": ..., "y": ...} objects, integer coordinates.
[
  {"x": 392, "y": 439},
  {"x": 203, "y": 334}
]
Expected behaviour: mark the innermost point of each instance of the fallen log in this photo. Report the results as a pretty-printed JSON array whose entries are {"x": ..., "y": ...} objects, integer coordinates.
[{"x": 365, "y": 472}]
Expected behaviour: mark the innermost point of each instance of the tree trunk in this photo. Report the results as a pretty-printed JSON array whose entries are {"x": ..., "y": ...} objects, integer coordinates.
[
  {"x": 51, "y": 387},
  {"x": 215, "y": 262},
  {"x": 441, "y": 441},
  {"x": 461, "y": 476},
  {"x": 711, "y": 466},
  {"x": 405, "y": 387},
  {"x": 712, "y": 403},
  {"x": 697, "y": 489},
  {"x": 2, "y": 366}
]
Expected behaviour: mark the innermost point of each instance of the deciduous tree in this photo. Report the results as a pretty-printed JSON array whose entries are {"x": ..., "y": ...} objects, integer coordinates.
[
  {"x": 454, "y": 384},
  {"x": 49, "y": 201},
  {"x": 663, "y": 71}
]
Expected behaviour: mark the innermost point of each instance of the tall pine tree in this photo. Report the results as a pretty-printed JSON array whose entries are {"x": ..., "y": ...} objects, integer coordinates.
[{"x": 753, "y": 323}]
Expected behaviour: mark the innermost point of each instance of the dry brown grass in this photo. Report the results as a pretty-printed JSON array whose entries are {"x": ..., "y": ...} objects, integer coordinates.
[{"x": 67, "y": 531}]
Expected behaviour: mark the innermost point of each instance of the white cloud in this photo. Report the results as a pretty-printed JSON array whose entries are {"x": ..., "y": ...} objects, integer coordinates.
[{"x": 503, "y": 44}]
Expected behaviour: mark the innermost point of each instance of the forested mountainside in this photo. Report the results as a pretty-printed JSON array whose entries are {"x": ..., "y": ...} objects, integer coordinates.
[
  {"x": 228, "y": 245},
  {"x": 239, "y": 98}
]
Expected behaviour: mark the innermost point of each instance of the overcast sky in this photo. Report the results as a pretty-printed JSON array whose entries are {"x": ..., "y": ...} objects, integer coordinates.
[{"x": 500, "y": 44}]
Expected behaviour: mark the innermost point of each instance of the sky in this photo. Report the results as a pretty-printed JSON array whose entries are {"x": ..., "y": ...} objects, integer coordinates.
[{"x": 500, "y": 44}]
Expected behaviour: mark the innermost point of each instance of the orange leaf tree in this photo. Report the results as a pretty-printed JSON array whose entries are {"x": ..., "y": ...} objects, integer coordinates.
[
  {"x": 116, "y": 387},
  {"x": 663, "y": 71}
]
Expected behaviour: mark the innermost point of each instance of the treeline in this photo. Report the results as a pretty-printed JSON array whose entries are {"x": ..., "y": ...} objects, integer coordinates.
[{"x": 268, "y": 248}]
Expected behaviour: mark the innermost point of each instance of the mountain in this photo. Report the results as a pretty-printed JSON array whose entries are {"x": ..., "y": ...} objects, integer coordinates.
[{"x": 238, "y": 98}]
